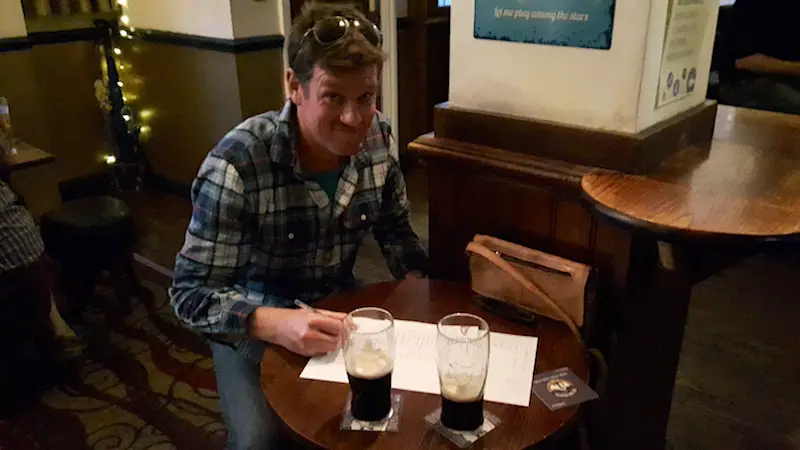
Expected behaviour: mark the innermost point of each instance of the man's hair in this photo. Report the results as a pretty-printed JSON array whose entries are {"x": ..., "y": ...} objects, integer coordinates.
[{"x": 351, "y": 53}]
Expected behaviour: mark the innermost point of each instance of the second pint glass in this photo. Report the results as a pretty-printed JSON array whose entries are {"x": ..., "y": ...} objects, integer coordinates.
[
  {"x": 369, "y": 360},
  {"x": 462, "y": 346}
]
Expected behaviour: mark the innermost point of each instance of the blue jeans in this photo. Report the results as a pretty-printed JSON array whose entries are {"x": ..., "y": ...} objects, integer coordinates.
[{"x": 251, "y": 423}]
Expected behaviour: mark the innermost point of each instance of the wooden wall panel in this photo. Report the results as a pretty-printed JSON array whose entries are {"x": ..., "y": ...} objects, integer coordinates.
[
  {"x": 193, "y": 96},
  {"x": 438, "y": 66},
  {"x": 260, "y": 77},
  {"x": 50, "y": 88},
  {"x": 573, "y": 230},
  {"x": 66, "y": 73},
  {"x": 18, "y": 83},
  {"x": 465, "y": 200}
]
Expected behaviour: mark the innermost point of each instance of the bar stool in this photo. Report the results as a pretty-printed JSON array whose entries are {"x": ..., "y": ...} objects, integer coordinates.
[{"x": 86, "y": 237}]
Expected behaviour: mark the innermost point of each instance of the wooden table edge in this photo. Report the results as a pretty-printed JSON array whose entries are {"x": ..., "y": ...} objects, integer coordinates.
[
  {"x": 670, "y": 233},
  {"x": 42, "y": 157}
]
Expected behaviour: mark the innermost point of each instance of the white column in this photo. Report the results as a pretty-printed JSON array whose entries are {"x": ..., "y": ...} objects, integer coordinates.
[
  {"x": 612, "y": 89},
  {"x": 12, "y": 19},
  {"x": 388, "y": 11},
  {"x": 209, "y": 18}
]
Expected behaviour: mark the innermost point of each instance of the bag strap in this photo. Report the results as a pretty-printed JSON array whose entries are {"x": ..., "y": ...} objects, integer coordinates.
[{"x": 503, "y": 265}]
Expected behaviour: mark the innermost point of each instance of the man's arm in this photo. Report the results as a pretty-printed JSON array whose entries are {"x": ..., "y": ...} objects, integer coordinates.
[
  {"x": 749, "y": 42},
  {"x": 208, "y": 292},
  {"x": 763, "y": 64},
  {"x": 399, "y": 243}
]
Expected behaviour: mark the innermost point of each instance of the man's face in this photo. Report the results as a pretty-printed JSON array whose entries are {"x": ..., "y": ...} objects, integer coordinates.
[{"x": 336, "y": 110}]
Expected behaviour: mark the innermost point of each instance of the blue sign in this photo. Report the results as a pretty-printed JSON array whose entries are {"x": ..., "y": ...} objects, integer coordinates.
[{"x": 569, "y": 23}]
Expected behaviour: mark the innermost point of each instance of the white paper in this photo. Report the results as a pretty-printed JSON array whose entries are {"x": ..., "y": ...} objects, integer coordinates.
[{"x": 511, "y": 362}]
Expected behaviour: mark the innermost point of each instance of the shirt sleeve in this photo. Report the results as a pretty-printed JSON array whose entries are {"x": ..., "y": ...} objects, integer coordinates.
[
  {"x": 206, "y": 293},
  {"x": 399, "y": 243}
]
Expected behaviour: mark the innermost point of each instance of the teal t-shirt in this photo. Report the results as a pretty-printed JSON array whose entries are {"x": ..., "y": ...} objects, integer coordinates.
[{"x": 328, "y": 181}]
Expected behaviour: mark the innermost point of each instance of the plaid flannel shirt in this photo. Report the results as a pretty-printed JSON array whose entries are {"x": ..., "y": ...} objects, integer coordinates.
[
  {"x": 260, "y": 234},
  {"x": 20, "y": 242}
]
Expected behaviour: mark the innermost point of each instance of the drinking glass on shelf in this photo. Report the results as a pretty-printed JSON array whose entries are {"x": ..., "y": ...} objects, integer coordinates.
[
  {"x": 462, "y": 346},
  {"x": 369, "y": 352}
]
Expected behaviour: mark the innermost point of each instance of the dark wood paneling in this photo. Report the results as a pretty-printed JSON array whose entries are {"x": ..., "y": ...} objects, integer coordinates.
[
  {"x": 573, "y": 230},
  {"x": 66, "y": 73},
  {"x": 260, "y": 76},
  {"x": 193, "y": 103},
  {"x": 18, "y": 83},
  {"x": 15, "y": 43},
  {"x": 200, "y": 98},
  {"x": 437, "y": 61},
  {"x": 50, "y": 89},
  {"x": 531, "y": 208},
  {"x": 632, "y": 153},
  {"x": 528, "y": 200}
]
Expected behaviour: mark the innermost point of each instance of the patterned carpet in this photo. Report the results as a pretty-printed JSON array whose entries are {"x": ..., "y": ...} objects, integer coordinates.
[{"x": 143, "y": 383}]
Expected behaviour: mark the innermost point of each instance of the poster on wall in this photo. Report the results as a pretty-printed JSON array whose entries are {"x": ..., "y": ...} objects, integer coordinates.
[
  {"x": 686, "y": 27},
  {"x": 569, "y": 23}
]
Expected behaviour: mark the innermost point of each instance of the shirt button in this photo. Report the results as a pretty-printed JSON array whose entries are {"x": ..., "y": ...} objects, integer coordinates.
[
  {"x": 291, "y": 235},
  {"x": 363, "y": 217}
]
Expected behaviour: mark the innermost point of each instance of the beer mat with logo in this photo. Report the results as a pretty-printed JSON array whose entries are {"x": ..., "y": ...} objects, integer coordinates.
[
  {"x": 561, "y": 388},
  {"x": 463, "y": 439},
  {"x": 390, "y": 423}
]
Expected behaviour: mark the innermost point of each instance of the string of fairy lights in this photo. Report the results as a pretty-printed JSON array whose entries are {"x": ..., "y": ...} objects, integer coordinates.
[{"x": 136, "y": 120}]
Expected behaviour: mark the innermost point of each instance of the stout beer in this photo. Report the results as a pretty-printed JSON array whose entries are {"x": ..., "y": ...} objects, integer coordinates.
[
  {"x": 370, "y": 377},
  {"x": 462, "y": 405}
]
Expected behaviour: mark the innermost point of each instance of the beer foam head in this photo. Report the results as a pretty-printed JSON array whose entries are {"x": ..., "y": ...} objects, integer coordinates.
[
  {"x": 368, "y": 364},
  {"x": 369, "y": 325},
  {"x": 462, "y": 388}
]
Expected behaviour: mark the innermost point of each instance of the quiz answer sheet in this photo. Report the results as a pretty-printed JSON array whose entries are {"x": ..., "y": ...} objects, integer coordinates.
[{"x": 511, "y": 363}]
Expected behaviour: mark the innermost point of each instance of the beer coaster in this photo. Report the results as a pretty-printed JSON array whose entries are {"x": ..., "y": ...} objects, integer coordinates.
[
  {"x": 390, "y": 423},
  {"x": 463, "y": 439}
]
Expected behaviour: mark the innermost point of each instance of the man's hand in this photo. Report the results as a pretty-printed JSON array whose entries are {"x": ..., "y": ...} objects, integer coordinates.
[
  {"x": 414, "y": 275},
  {"x": 301, "y": 331}
]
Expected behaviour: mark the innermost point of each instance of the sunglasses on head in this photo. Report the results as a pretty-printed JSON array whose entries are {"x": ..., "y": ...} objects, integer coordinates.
[{"x": 331, "y": 30}]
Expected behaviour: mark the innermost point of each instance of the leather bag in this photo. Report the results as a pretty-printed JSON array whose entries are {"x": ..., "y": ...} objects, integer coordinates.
[{"x": 529, "y": 279}]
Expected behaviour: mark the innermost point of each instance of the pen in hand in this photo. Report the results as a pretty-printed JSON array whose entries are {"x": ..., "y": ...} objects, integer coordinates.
[
  {"x": 300, "y": 304},
  {"x": 305, "y": 306}
]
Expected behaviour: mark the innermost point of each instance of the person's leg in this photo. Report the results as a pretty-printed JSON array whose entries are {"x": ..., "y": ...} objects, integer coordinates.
[
  {"x": 37, "y": 292},
  {"x": 27, "y": 352},
  {"x": 251, "y": 423}
]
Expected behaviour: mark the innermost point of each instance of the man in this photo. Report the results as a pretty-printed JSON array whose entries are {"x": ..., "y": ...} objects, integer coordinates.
[
  {"x": 763, "y": 69},
  {"x": 26, "y": 302},
  {"x": 281, "y": 205}
]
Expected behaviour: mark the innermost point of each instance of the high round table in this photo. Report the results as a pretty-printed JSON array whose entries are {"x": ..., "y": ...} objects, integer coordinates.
[
  {"x": 700, "y": 211},
  {"x": 312, "y": 410}
]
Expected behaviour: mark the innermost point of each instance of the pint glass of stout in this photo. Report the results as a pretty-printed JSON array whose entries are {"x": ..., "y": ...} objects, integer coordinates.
[
  {"x": 369, "y": 360},
  {"x": 462, "y": 346}
]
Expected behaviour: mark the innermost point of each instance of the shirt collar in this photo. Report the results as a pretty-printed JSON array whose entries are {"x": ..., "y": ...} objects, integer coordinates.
[{"x": 282, "y": 148}]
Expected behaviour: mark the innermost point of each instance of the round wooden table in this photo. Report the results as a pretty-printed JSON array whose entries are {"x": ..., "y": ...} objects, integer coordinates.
[
  {"x": 701, "y": 210},
  {"x": 312, "y": 410},
  {"x": 744, "y": 188}
]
